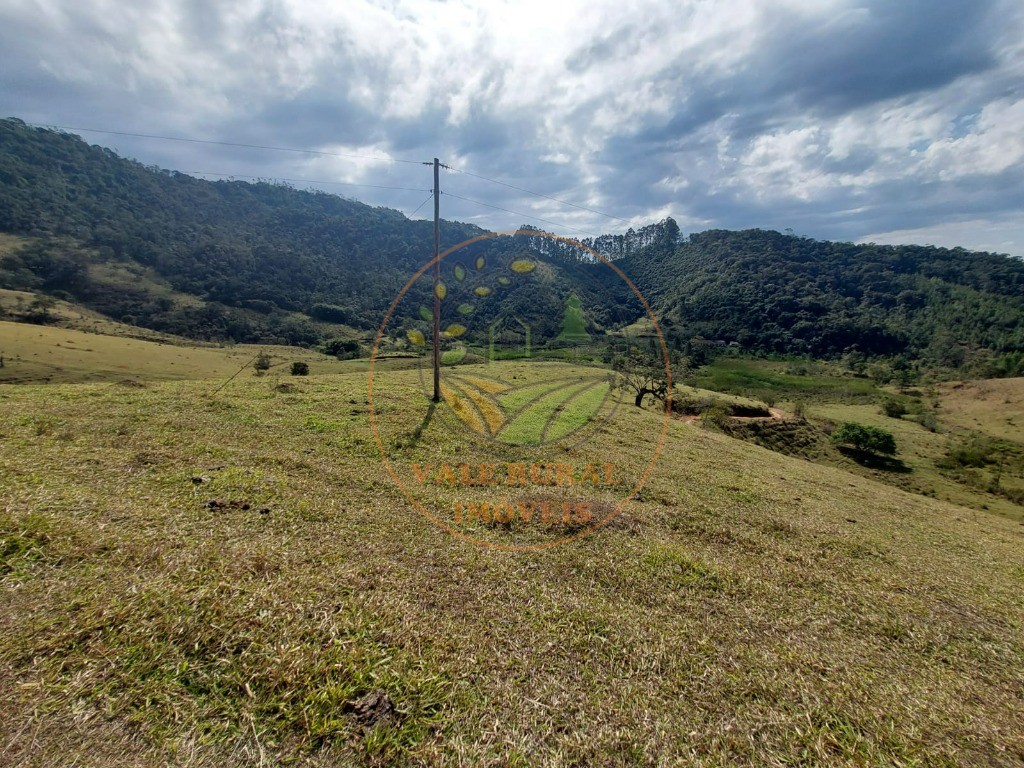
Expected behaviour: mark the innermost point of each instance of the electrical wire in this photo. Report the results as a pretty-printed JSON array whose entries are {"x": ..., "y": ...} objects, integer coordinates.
[
  {"x": 301, "y": 181},
  {"x": 524, "y": 215},
  {"x": 537, "y": 194},
  {"x": 227, "y": 143},
  {"x": 421, "y": 205}
]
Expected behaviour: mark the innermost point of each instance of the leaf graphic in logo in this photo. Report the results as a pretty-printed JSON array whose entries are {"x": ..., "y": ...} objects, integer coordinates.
[
  {"x": 453, "y": 356},
  {"x": 441, "y": 291},
  {"x": 531, "y": 415},
  {"x": 474, "y": 404},
  {"x": 480, "y": 262},
  {"x": 454, "y": 330},
  {"x": 465, "y": 309},
  {"x": 523, "y": 266},
  {"x": 482, "y": 290},
  {"x": 504, "y": 281},
  {"x": 416, "y": 338},
  {"x": 460, "y": 272},
  {"x": 560, "y": 408},
  {"x": 426, "y": 314}
]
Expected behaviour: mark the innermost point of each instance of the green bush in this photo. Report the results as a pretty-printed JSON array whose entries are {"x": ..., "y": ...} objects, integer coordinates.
[
  {"x": 894, "y": 408},
  {"x": 262, "y": 363},
  {"x": 300, "y": 369},
  {"x": 976, "y": 453},
  {"x": 716, "y": 415},
  {"x": 343, "y": 349},
  {"x": 864, "y": 438}
]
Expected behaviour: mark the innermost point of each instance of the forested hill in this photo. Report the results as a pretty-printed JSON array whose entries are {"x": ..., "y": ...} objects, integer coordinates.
[
  {"x": 783, "y": 293},
  {"x": 262, "y": 247},
  {"x": 251, "y": 262}
]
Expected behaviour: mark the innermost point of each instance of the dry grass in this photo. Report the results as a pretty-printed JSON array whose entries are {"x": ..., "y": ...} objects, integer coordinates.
[
  {"x": 76, "y": 317},
  {"x": 992, "y": 406},
  {"x": 752, "y": 609},
  {"x": 43, "y": 353}
]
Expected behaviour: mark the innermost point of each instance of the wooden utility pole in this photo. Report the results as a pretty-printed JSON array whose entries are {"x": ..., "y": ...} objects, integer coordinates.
[{"x": 437, "y": 281}]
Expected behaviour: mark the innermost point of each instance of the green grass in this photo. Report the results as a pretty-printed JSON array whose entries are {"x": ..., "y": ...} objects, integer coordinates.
[
  {"x": 760, "y": 378},
  {"x": 748, "y": 609},
  {"x": 920, "y": 450},
  {"x": 530, "y": 426}
]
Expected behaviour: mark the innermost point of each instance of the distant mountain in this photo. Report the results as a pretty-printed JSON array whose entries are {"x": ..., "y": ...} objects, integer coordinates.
[{"x": 250, "y": 262}]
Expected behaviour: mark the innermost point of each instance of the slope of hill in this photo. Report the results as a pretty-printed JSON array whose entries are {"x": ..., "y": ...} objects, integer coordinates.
[
  {"x": 189, "y": 577},
  {"x": 35, "y": 354},
  {"x": 264, "y": 262},
  {"x": 796, "y": 295}
]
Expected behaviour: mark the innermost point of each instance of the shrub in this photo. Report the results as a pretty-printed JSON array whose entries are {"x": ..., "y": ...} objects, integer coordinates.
[
  {"x": 976, "y": 453},
  {"x": 894, "y": 408},
  {"x": 300, "y": 369},
  {"x": 800, "y": 410},
  {"x": 716, "y": 415},
  {"x": 330, "y": 313},
  {"x": 865, "y": 438},
  {"x": 262, "y": 362},
  {"x": 343, "y": 349}
]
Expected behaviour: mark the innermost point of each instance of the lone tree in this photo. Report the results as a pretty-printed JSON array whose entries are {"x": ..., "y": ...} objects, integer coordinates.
[
  {"x": 641, "y": 377},
  {"x": 300, "y": 369},
  {"x": 865, "y": 438}
]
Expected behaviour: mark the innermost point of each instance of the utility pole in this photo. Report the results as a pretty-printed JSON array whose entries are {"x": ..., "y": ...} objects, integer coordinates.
[{"x": 437, "y": 281}]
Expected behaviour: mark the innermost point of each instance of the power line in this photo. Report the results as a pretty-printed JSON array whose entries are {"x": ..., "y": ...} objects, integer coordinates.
[
  {"x": 301, "y": 181},
  {"x": 539, "y": 194},
  {"x": 421, "y": 205},
  {"x": 353, "y": 155},
  {"x": 228, "y": 144},
  {"x": 524, "y": 215}
]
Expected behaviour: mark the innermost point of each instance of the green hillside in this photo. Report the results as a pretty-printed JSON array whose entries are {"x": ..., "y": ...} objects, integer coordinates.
[
  {"x": 190, "y": 576},
  {"x": 268, "y": 263},
  {"x": 789, "y": 294}
]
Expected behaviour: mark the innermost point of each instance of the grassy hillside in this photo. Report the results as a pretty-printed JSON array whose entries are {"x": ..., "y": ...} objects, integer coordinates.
[
  {"x": 993, "y": 407},
  {"x": 37, "y": 353},
  {"x": 227, "y": 578}
]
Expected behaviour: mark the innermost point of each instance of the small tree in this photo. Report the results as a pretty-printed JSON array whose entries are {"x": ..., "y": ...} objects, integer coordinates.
[
  {"x": 300, "y": 369},
  {"x": 640, "y": 377},
  {"x": 343, "y": 349},
  {"x": 262, "y": 363},
  {"x": 39, "y": 310},
  {"x": 865, "y": 438}
]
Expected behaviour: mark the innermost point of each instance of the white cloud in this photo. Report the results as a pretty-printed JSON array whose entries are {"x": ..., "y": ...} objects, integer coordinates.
[
  {"x": 1004, "y": 235},
  {"x": 830, "y": 115}
]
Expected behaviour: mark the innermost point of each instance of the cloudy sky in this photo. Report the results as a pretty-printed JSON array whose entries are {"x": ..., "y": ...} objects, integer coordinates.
[{"x": 875, "y": 120}]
